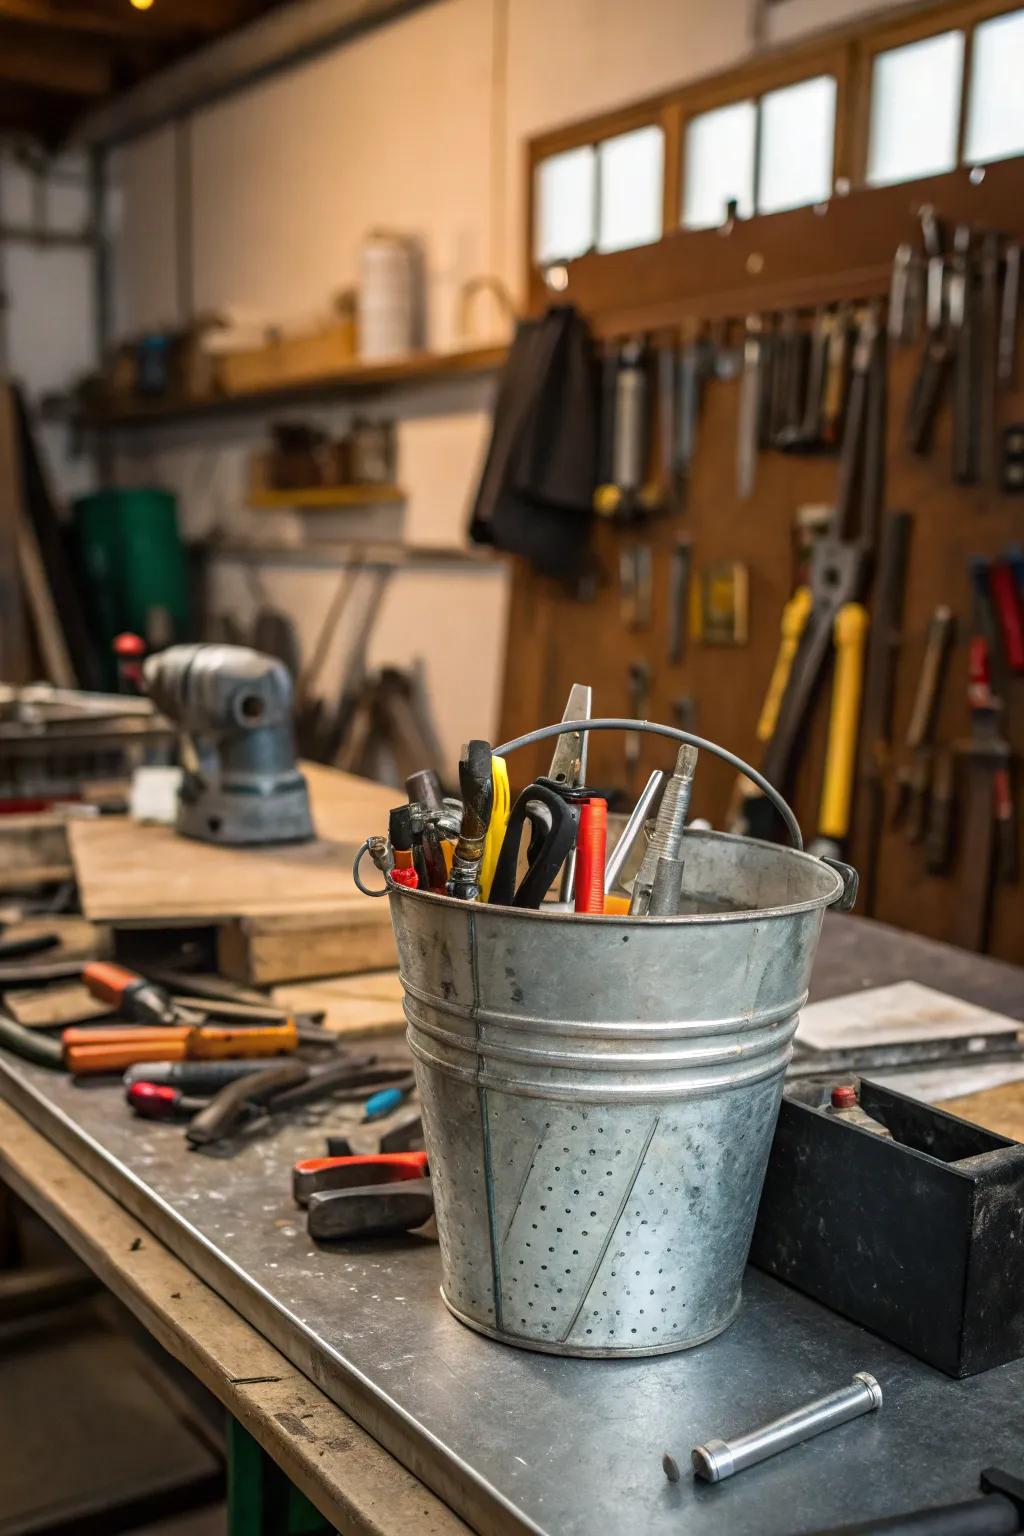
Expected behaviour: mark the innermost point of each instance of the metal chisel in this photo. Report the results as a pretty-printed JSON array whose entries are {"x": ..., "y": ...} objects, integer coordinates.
[
  {"x": 749, "y": 411},
  {"x": 678, "y": 598}
]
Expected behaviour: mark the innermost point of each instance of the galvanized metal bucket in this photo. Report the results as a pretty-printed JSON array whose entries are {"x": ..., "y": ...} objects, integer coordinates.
[{"x": 599, "y": 1096}]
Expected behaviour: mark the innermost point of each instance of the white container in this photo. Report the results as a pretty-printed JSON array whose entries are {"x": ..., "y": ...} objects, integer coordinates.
[{"x": 389, "y": 299}]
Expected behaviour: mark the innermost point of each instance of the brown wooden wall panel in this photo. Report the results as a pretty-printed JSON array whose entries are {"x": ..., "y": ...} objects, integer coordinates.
[{"x": 555, "y": 641}]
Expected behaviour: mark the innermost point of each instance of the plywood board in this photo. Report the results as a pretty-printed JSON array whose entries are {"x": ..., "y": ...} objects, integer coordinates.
[
  {"x": 341, "y": 940},
  {"x": 997, "y": 1109},
  {"x": 149, "y": 876},
  {"x": 33, "y": 850},
  {"x": 353, "y": 1005},
  {"x": 45, "y": 1007}
]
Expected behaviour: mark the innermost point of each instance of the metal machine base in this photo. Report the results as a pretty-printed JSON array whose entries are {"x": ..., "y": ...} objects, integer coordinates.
[{"x": 237, "y": 816}]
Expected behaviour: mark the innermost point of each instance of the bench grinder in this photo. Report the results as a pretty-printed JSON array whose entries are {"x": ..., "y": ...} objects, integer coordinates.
[{"x": 233, "y": 707}]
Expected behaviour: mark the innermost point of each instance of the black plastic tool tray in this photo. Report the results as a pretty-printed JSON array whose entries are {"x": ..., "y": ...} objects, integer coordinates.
[{"x": 920, "y": 1239}]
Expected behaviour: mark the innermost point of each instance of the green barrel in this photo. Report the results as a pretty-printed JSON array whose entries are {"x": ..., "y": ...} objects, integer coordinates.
[{"x": 135, "y": 569}]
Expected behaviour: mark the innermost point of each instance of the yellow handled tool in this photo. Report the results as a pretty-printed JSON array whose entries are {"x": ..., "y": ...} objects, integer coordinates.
[
  {"x": 794, "y": 621},
  {"x": 496, "y": 828},
  {"x": 850, "y": 633},
  {"x": 795, "y": 614}
]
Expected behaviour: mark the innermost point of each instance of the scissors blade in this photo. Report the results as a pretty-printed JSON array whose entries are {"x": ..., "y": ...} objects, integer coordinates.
[{"x": 569, "y": 763}]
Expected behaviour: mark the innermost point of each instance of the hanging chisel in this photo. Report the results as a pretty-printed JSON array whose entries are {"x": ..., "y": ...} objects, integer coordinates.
[
  {"x": 902, "y": 324},
  {"x": 767, "y": 371},
  {"x": 643, "y": 565},
  {"x": 938, "y": 842},
  {"x": 1007, "y": 361},
  {"x": 986, "y": 358},
  {"x": 790, "y": 394},
  {"x": 672, "y": 473},
  {"x": 627, "y": 588},
  {"x": 915, "y": 777},
  {"x": 695, "y": 368},
  {"x": 630, "y": 441},
  {"x": 966, "y": 357},
  {"x": 879, "y": 677},
  {"x": 678, "y": 598},
  {"x": 930, "y": 379},
  {"x": 836, "y": 372},
  {"x": 817, "y": 371},
  {"x": 749, "y": 409},
  {"x": 986, "y": 753}
]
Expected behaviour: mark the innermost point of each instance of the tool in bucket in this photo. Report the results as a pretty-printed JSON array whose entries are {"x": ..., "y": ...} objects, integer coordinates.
[
  {"x": 599, "y": 1091},
  {"x": 552, "y": 807}
]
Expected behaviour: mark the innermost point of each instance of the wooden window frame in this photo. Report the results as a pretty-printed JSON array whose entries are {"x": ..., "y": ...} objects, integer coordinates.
[
  {"x": 846, "y": 53},
  {"x": 752, "y": 83}
]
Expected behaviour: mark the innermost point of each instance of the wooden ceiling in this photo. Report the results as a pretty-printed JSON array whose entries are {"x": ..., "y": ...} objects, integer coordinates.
[{"x": 59, "y": 58}]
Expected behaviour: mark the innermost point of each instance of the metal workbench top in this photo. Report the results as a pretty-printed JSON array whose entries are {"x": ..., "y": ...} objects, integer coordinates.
[{"x": 517, "y": 1441}]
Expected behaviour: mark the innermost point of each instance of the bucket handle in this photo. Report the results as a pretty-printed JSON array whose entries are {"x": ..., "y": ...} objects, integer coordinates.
[
  {"x": 617, "y": 723},
  {"x": 546, "y": 732}
]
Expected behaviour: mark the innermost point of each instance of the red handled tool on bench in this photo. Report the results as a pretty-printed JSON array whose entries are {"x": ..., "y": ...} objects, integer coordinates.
[{"x": 373, "y": 1196}]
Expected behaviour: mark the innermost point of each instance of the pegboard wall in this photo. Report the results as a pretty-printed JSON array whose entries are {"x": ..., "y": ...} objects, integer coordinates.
[{"x": 556, "y": 640}]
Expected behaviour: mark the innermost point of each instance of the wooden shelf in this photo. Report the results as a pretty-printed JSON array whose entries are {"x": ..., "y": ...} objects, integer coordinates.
[
  {"x": 380, "y": 553},
  {"x": 355, "y": 379},
  {"x": 324, "y": 497}
]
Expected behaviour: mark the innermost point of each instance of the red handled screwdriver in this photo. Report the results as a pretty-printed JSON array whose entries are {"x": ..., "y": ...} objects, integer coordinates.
[
  {"x": 591, "y": 844},
  {"x": 400, "y": 838}
]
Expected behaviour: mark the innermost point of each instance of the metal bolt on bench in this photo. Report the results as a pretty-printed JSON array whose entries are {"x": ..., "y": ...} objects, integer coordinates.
[{"x": 716, "y": 1460}]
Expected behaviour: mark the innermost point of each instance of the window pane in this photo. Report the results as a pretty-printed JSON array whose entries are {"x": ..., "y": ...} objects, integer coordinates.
[
  {"x": 995, "y": 118},
  {"x": 797, "y": 135},
  {"x": 564, "y": 206},
  {"x": 719, "y": 164},
  {"x": 629, "y": 169},
  {"x": 915, "y": 97}
]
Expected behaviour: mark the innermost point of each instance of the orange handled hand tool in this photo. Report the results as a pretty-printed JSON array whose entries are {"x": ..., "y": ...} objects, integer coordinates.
[
  {"x": 105, "y": 1049},
  {"x": 131, "y": 995}
]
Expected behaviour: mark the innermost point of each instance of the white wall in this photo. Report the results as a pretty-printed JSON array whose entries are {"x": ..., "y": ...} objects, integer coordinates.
[
  {"x": 418, "y": 126},
  {"x": 48, "y": 323}
]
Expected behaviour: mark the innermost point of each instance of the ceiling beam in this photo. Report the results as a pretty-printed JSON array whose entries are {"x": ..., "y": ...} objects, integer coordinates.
[
  {"x": 37, "y": 116},
  {"x": 37, "y": 13},
  {"x": 283, "y": 37},
  {"x": 174, "y": 18},
  {"x": 58, "y": 71}
]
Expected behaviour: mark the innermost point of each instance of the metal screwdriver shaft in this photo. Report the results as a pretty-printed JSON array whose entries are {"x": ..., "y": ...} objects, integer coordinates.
[
  {"x": 718, "y": 1459},
  {"x": 656, "y": 889}
]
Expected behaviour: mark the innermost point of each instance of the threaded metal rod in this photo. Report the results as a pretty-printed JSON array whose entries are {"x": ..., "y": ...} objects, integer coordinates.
[{"x": 666, "y": 842}]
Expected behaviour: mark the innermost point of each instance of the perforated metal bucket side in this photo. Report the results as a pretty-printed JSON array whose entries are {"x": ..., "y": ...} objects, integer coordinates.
[{"x": 600, "y": 1094}]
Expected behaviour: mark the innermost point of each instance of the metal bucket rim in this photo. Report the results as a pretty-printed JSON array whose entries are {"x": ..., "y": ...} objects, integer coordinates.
[{"x": 685, "y": 919}]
